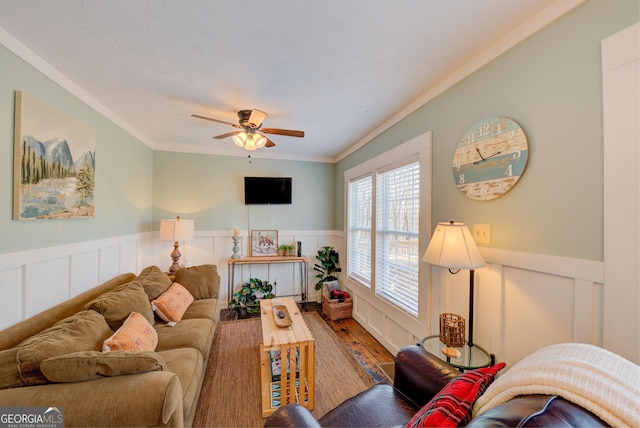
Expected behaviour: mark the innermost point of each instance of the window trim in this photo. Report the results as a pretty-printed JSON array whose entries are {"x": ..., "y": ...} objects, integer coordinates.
[{"x": 421, "y": 147}]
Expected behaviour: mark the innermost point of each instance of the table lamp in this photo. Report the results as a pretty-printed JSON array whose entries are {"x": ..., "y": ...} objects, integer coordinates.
[
  {"x": 176, "y": 230},
  {"x": 452, "y": 246}
]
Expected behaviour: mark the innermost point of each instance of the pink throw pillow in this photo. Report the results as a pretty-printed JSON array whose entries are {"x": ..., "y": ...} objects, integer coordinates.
[
  {"x": 136, "y": 334},
  {"x": 172, "y": 304}
]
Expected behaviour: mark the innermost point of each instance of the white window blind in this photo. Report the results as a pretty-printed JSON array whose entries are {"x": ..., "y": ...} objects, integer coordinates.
[
  {"x": 397, "y": 216},
  {"x": 360, "y": 213}
]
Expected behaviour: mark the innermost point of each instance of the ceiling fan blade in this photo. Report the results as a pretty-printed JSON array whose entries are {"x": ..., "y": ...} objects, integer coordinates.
[
  {"x": 215, "y": 120},
  {"x": 256, "y": 118},
  {"x": 269, "y": 142},
  {"x": 228, "y": 134},
  {"x": 287, "y": 132}
]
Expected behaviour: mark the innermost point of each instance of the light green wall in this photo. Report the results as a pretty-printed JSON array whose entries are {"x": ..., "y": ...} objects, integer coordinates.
[
  {"x": 551, "y": 84},
  {"x": 123, "y": 168},
  {"x": 210, "y": 190}
]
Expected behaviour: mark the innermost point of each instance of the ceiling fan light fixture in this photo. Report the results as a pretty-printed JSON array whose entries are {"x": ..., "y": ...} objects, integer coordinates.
[
  {"x": 239, "y": 139},
  {"x": 261, "y": 140},
  {"x": 249, "y": 123},
  {"x": 250, "y": 144},
  {"x": 249, "y": 140}
]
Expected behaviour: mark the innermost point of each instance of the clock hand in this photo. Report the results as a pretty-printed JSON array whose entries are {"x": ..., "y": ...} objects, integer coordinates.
[
  {"x": 495, "y": 154},
  {"x": 479, "y": 154},
  {"x": 483, "y": 158}
]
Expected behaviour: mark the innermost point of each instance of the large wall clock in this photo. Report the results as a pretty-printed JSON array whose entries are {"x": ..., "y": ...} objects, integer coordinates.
[{"x": 490, "y": 158}]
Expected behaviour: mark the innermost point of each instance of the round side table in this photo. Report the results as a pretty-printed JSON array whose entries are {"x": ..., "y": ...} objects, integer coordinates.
[{"x": 472, "y": 357}]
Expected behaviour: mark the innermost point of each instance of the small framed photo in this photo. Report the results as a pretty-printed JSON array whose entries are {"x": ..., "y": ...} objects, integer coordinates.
[{"x": 264, "y": 243}]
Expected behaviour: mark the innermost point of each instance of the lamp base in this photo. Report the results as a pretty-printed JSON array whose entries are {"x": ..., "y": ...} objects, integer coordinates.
[{"x": 175, "y": 256}]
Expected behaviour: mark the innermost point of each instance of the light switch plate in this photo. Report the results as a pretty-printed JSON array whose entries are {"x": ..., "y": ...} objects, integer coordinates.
[{"x": 482, "y": 233}]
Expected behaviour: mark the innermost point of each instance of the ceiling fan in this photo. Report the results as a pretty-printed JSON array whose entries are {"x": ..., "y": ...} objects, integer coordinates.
[{"x": 251, "y": 134}]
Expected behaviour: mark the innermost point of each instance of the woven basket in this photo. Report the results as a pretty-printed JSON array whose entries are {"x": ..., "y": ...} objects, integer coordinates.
[
  {"x": 335, "y": 310},
  {"x": 452, "y": 330}
]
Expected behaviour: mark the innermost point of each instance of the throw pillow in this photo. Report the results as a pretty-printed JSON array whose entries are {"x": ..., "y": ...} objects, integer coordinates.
[
  {"x": 154, "y": 281},
  {"x": 136, "y": 334},
  {"x": 201, "y": 281},
  {"x": 172, "y": 304},
  {"x": 88, "y": 365},
  {"x": 116, "y": 305},
  {"x": 452, "y": 406},
  {"x": 20, "y": 366}
]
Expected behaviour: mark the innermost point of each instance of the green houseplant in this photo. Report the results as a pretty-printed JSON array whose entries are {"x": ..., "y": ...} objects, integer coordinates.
[
  {"x": 328, "y": 266},
  {"x": 245, "y": 300},
  {"x": 286, "y": 249}
]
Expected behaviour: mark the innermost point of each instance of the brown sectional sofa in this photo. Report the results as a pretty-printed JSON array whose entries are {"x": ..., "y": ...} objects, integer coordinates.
[{"x": 55, "y": 358}]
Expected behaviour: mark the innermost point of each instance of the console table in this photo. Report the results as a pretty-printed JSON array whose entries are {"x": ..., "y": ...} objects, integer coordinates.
[{"x": 302, "y": 261}]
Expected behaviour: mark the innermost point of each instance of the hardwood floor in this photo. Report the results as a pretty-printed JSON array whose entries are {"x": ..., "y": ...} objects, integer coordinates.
[
  {"x": 373, "y": 357},
  {"x": 364, "y": 347}
]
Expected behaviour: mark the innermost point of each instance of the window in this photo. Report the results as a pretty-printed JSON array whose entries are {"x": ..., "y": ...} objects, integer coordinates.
[
  {"x": 397, "y": 217},
  {"x": 382, "y": 221},
  {"x": 360, "y": 219}
]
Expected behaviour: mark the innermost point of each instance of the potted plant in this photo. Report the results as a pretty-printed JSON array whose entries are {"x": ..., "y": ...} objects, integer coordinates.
[
  {"x": 328, "y": 266},
  {"x": 244, "y": 300},
  {"x": 286, "y": 249}
]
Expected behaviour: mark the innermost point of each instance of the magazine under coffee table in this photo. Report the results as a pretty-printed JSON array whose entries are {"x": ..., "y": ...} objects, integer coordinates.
[{"x": 280, "y": 350}]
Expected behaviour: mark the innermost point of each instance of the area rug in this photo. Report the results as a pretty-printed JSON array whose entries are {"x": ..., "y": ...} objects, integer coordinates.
[{"x": 230, "y": 394}]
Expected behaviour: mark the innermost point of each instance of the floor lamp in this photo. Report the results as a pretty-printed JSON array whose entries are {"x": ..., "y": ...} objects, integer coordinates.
[
  {"x": 176, "y": 230},
  {"x": 453, "y": 247}
]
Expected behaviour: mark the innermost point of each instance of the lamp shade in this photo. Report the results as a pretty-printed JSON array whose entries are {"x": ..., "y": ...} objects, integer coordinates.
[
  {"x": 176, "y": 230},
  {"x": 239, "y": 139},
  {"x": 249, "y": 141},
  {"x": 453, "y": 247}
]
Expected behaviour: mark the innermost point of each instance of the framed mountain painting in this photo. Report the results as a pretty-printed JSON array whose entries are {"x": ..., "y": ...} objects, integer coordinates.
[{"x": 53, "y": 163}]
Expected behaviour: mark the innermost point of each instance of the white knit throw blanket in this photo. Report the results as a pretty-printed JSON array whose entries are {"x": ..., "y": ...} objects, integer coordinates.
[{"x": 591, "y": 377}]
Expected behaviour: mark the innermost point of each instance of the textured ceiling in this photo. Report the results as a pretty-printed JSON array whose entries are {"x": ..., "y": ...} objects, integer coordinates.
[{"x": 337, "y": 69}]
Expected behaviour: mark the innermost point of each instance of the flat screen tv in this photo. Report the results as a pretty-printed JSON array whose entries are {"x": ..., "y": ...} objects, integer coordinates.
[{"x": 267, "y": 190}]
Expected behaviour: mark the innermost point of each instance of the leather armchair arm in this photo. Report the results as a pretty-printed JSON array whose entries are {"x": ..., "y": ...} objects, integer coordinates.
[
  {"x": 420, "y": 375},
  {"x": 292, "y": 415}
]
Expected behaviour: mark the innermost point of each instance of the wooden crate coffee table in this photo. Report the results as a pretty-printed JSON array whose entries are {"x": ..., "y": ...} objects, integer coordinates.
[{"x": 296, "y": 348}]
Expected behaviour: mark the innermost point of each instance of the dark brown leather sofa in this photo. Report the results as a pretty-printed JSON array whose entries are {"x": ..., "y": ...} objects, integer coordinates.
[{"x": 419, "y": 375}]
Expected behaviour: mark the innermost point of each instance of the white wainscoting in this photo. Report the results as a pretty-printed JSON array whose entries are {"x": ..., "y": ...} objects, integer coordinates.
[
  {"x": 35, "y": 280},
  {"x": 523, "y": 302},
  {"x": 38, "y": 279},
  {"x": 217, "y": 246}
]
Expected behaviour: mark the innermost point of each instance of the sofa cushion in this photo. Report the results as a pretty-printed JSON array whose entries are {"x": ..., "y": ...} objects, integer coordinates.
[
  {"x": 20, "y": 366},
  {"x": 452, "y": 406},
  {"x": 154, "y": 281},
  {"x": 382, "y": 405},
  {"x": 201, "y": 281},
  {"x": 536, "y": 410},
  {"x": 172, "y": 304},
  {"x": 203, "y": 308},
  {"x": 188, "y": 364},
  {"x": 117, "y": 304},
  {"x": 88, "y": 365},
  {"x": 9, "y": 374},
  {"x": 193, "y": 333},
  {"x": 136, "y": 334}
]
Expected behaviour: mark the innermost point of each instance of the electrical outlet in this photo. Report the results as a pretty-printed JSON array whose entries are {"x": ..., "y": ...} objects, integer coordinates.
[{"x": 482, "y": 233}]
